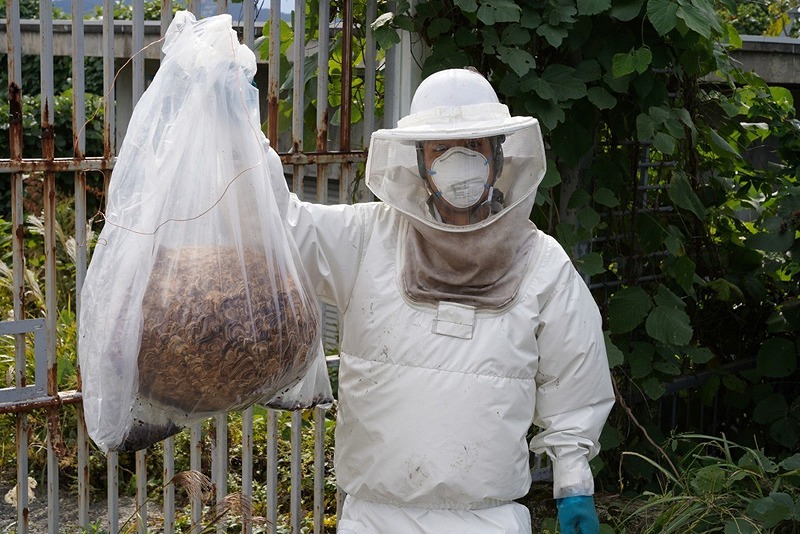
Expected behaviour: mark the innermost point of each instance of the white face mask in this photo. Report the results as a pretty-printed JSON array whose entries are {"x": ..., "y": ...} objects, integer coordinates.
[{"x": 461, "y": 175}]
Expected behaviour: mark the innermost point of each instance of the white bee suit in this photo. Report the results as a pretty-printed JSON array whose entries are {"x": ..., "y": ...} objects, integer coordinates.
[{"x": 436, "y": 396}]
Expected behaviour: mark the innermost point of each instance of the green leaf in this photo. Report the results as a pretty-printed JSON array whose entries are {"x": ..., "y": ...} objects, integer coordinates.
[
  {"x": 721, "y": 147},
  {"x": 551, "y": 176},
  {"x": 493, "y": 11},
  {"x": 777, "y": 358},
  {"x": 467, "y": 6},
  {"x": 682, "y": 194},
  {"x": 438, "y": 26},
  {"x": 726, "y": 291},
  {"x": 770, "y": 510},
  {"x": 669, "y": 325},
  {"x": 642, "y": 59},
  {"x": 653, "y": 388},
  {"x": 588, "y": 218},
  {"x": 774, "y": 239},
  {"x": 685, "y": 270},
  {"x": 554, "y": 35},
  {"x": 694, "y": 19},
  {"x": 786, "y": 432},
  {"x": 588, "y": 70},
  {"x": 739, "y": 525},
  {"x": 549, "y": 113},
  {"x": 520, "y": 61},
  {"x": 645, "y": 127},
  {"x": 622, "y": 64},
  {"x": 640, "y": 359},
  {"x": 626, "y": 10},
  {"x": 386, "y": 37},
  {"x": 771, "y": 408},
  {"x": 592, "y": 7},
  {"x": 627, "y": 309},
  {"x": 709, "y": 479},
  {"x": 601, "y": 98},
  {"x": 668, "y": 299},
  {"x": 664, "y": 143},
  {"x": 540, "y": 86},
  {"x": 615, "y": 356},
  {"x": 606, "y": 197},
  {"x": 698, "y": 355},
  {"x": 563, "y": 81},
  {"x": 662, "y": 15},
  {"x": 789, "y": 464},
  {"x": 590, "y": 264}
]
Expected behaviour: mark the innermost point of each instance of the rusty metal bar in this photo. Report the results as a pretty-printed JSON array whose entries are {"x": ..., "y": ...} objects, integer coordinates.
[
  {"x": 137, "y": 61},
  {"x": 109, "y": 96},
  {"x": 370, "y": 74},
  {"x": 17, "y": 217},
  {"x": 33, "y": 165},
  {"x": 323, "y": 57},
  {"x": 310, "y": 158},
  {"x": 298, "y": 93},
  {"x": 274, "y": 73},
  {"x": 81, "y": 248},
  {"x": 49, "y": 401},
  {"x": 247, "y": 469},
  {"x": 347, "y": 74},
  {"x": 54, "y": 444},
  {"x": 295, "y": 488}
]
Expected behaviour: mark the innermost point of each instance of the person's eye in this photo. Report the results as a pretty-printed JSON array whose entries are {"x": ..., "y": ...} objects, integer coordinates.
[
  {"x": 474, "y": 144},
  {"x": 441, "y": 147}
]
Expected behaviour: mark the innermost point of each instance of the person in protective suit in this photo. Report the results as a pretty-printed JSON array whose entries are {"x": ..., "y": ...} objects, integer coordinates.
[{"x": 462, "y": 325}]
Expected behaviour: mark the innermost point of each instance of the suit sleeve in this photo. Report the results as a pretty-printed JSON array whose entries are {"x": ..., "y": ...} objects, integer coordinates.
[{"x": 574, "y": 392}]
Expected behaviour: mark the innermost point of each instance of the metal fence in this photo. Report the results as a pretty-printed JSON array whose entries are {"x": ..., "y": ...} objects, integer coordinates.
[{"x": 130, "y": 51}]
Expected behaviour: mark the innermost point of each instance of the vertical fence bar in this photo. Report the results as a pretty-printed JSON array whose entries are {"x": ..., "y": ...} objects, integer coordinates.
[
  {"x": 194, "y": 7},
  {"x": 219, "y": 464},
  {"x": 247, "y": 469},
  {"x": 274, "y": 72},
  {"x": 298, "y": 92},
  {"x": 195, "y": 456},
  {"x": 81, "y": 246},
  {"x": 319, "y": 469},
  {"x": 169, "y": 484},
  {"x": 272, "y": 471},
  {"x": 141, "y": 492},
  {"x": 18, "y": 262},
  {"x": 51, "y": 313},
  {"x": 166, "y": 19},
  {"x": 137, "y": 61},
  {"x": 323, "y": 58},
  {"x": 112, "y": 492},
  {"x": 345, "y": 180},
  {"x": 370, "y": 73},
  {"x": 249, "y": 31},
  {"x": 296, "y": 486}
]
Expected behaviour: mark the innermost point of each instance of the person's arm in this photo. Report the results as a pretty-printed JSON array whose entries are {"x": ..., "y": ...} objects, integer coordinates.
[
  {"x": 574, "y": 392},
  {"x": 329, "y": 239}
]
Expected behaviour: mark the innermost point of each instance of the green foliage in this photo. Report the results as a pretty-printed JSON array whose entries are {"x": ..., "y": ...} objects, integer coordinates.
[
  {"x": 335, "y": 70},
  {"x": 655, "y": 187},
  {"x": 720, "y": 486}
]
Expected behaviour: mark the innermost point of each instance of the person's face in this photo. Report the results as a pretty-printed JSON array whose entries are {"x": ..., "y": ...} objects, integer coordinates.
[{"x": 432, "y": 150}]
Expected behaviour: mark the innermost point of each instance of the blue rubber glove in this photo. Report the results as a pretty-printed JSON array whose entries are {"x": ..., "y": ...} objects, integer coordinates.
[{"x": 577, "y": 515}]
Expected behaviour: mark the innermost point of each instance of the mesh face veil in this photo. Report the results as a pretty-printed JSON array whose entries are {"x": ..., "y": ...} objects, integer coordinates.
[{"x": 457, "y": 105}]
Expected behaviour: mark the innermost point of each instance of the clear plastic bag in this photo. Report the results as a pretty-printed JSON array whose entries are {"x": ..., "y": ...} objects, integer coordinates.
[{"x": 194, "y": 302}]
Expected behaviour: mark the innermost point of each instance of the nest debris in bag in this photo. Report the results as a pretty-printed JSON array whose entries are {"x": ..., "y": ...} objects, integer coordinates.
[{"x": 221, "y": 330}]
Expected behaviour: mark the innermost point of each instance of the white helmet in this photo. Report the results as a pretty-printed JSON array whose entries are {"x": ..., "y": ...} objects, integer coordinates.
[{"x": 454, "y": 104}]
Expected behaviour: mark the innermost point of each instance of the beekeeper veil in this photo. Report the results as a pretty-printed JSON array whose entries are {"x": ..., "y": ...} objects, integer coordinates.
[{"x": 479, "y": 261}]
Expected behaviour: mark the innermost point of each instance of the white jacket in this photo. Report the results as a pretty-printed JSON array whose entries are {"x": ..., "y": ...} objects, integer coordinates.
[{"x": 435, "y": 402}]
